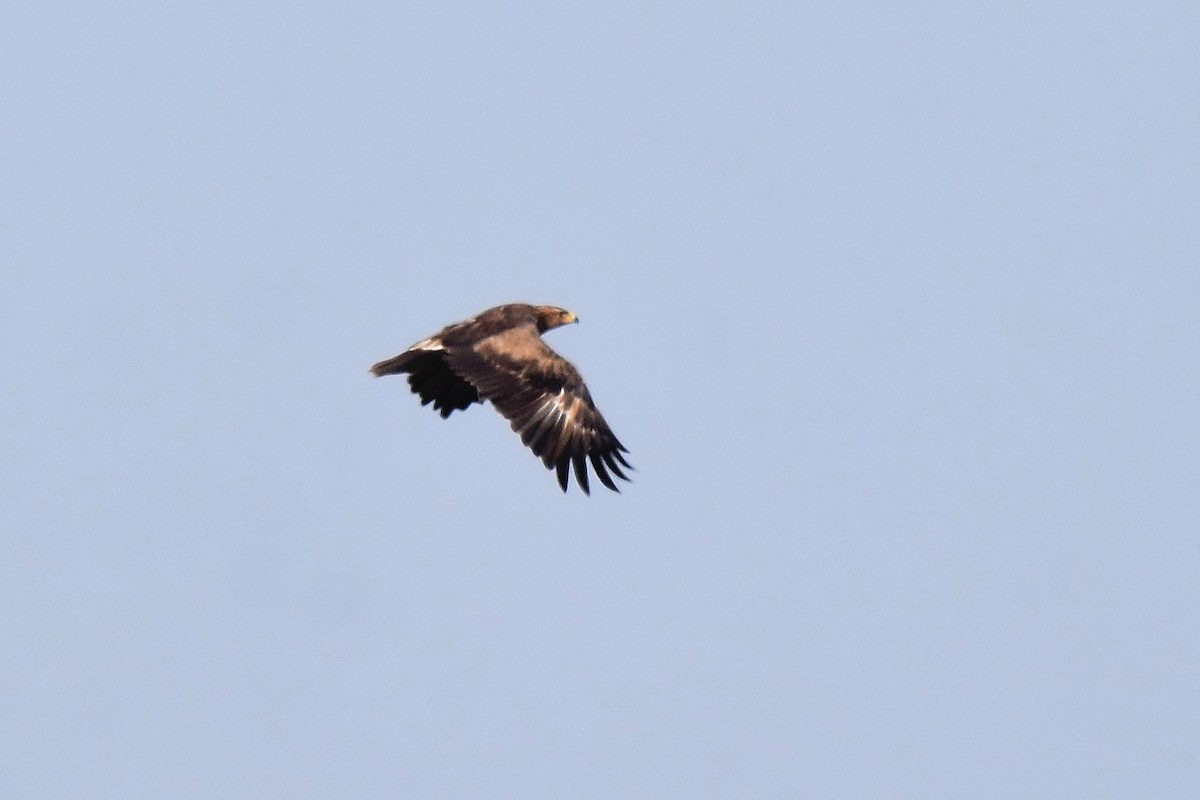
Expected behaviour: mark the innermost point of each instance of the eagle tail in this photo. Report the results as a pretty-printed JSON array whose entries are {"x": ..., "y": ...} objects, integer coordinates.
[{"x": 396, "y": 364}]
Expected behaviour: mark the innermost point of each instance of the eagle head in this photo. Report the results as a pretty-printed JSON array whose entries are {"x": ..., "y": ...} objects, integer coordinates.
[{"x": 550, "y": 317}]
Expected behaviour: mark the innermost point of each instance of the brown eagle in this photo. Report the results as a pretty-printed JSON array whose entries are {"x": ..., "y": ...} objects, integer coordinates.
[{"x": 499, "y": 355}]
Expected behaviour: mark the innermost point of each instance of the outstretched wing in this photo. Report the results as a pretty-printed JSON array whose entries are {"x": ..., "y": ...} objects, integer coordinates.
[
  {"x": 545, "y": 400},
  {"x": 430, "y": 377}
]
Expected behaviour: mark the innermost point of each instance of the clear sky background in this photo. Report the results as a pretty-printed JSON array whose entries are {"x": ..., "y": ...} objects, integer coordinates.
[{"x": 895, "y": 305}]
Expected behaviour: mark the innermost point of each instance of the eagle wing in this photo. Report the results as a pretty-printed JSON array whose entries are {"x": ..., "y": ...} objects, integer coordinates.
[
  {"x": 545, "y": 400},
  {"x": 430, "y": 377}
]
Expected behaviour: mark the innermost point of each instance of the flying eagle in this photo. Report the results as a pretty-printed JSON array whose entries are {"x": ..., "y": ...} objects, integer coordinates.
[{"x": 499, "y": 355}]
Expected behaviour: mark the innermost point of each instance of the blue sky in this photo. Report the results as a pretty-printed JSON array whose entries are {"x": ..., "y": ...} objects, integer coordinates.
[{"x": 895, "y": 308}]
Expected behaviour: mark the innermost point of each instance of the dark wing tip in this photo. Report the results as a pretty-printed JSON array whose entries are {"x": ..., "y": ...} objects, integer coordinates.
[
  {"x": 563, "y": 465},
  {"x": 612, "y": 464},
  {"x": 601, "y": 472},
  {"x": 581, "y": 473},
  {"x": 575, "y": 461}
]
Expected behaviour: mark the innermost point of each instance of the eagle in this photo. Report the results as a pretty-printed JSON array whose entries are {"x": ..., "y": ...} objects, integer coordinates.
[{"x": 498, "y": 355}]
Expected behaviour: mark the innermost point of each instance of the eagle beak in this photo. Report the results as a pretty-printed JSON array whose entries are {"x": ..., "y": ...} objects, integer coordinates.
[{"x": 571, "y": 317}]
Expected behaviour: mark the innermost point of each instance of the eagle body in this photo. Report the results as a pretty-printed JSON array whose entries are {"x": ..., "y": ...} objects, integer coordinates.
[{"x": 499, "y": 356}]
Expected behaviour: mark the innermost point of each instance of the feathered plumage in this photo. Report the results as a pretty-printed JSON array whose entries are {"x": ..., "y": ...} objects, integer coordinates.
[{"x": 499, "y": 356}]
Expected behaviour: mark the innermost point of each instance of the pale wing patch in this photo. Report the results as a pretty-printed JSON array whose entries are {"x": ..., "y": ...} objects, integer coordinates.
[
  {"x": 432, "y": 343},
  {"x": 569, "y": 412},
  {"x": 550, "y": 413},
  {"x": 563, "y": 406}
]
